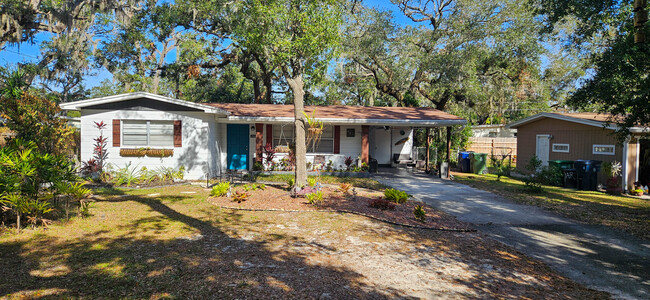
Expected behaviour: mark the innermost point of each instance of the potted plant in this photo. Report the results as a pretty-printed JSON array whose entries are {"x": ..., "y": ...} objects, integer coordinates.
[
  {"x": 636, "y": 192},
  {"x": 613, "y": 172}
]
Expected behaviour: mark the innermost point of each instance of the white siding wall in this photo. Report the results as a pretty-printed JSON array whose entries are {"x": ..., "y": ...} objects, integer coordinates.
[
  {"x": 351, "y": 146},
  {"x": 405, "y": 148},
  {"x": 222, "y": 137},
  {"x": 195, "y": 154}
]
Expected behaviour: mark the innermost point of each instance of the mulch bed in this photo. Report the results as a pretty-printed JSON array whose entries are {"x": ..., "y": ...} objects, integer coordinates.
[{"x": 277, "y": 198}]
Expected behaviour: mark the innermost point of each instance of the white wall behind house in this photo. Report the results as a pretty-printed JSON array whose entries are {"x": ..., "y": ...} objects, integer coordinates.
[
  {"x": 351, "y": 146},
  {"x": 195, "y": 154},
  {"x": 222, "y": 138},
  {"x": 405, "y": 148},
  {"x": 493, "y": 131}
]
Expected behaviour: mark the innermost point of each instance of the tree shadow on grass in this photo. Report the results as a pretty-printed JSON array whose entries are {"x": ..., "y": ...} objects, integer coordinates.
[
  {"x": 210, "y": 264},
  {"x": 227, "y": 254}
]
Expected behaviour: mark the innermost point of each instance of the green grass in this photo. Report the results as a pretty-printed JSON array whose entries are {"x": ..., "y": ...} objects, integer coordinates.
[
  {"x": 626, "y": 213},
  {"x": 328, "y": 179},
  {"x": 170, "y": 243}
]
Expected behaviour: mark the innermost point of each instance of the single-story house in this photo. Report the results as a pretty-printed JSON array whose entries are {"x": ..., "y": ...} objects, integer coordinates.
[
  {"x": 586, "y": 136},
  {"x": 211, "y": 138}
]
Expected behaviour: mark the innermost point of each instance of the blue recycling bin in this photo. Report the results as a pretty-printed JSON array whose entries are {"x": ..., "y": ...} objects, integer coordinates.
[{"x": 464, "y": 161}]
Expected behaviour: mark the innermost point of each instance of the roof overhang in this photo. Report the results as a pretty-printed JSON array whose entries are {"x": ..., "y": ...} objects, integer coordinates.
[
  {"x": 563, "y": 118},
  {"x": 346, "y": 121},
  {"x": 78, "y": 105},
  {"x": 599, "y": 124}
]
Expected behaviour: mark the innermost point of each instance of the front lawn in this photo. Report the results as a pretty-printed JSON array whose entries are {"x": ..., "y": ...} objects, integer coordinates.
[
  {"x": 172, "y": 243},
  {"x": 626, "y": 213}
]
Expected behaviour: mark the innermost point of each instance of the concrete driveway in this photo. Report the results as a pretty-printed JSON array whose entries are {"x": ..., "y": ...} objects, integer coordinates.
[{"x": 595, "y": 256}]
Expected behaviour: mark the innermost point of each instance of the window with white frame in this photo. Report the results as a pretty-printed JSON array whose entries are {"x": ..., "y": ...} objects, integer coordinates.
[
  {"x": 283, "y": 135},
  {"x": 147, "y": 133},
  {"x": 326, "y": 144},
  {"x": 564, "y": 148},
  {"x": 604, "y": 149}
]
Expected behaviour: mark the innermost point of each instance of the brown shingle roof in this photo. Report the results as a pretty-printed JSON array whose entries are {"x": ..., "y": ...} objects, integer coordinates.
[
  {"x": 588, "y": 116},
  {"x": 337, "y": 112}
]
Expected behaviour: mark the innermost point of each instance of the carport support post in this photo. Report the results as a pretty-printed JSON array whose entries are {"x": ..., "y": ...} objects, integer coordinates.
[
  {"x": 365, "y": 146},
  {"x": 448, "y": 144},
  {"x": 426, "y": 159}
]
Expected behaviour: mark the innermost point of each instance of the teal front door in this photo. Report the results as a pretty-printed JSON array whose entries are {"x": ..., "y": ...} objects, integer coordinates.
[{"x": 237, "y": 138}]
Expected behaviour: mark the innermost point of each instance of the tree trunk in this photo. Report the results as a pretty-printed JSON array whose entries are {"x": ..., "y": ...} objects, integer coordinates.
[
  {"x": 156, "y": 81},
  {"x": 257, "y": 91},
  {"x": 268, "y": 85},
  {"x": 18, "y": 222},
  {"x": 297, "y": 88}
]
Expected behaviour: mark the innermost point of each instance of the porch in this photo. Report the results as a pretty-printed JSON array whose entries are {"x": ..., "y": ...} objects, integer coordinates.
[{"x": 342, "y": 148}]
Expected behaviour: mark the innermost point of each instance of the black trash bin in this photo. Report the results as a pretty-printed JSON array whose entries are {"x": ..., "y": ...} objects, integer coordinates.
[
  {"x": 569, "y": 176},
  {"x": 464, "y": 161},
  {"x": 587, "y": 174},
  {"x": 373, "y": 166},
  {"x": 561, "y": 166}
]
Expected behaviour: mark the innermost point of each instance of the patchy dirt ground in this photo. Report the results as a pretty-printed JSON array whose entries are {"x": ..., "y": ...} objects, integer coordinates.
[
  {"x": 171, "y": 243},
  {"x": 276, "y": 197}
]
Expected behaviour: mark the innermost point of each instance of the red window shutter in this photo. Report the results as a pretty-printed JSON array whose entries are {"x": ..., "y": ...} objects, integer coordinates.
[
  {"x": 337, "y": 139},
  {"x": 116, "y": 133},
  {"x": 178, "y": 133},
  {"x": 269, "y": 134}
]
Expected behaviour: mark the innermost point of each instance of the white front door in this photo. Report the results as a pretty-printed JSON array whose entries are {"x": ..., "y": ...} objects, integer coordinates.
[
  {"x": 543, "y": 146},
  {"x": 380, "y": 146}
]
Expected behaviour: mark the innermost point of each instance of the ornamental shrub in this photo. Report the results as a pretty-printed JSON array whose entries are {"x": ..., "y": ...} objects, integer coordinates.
[
  {"x": 315, "y": 198},
  {"x": 220, "y": 189},
  {"x": 420, "y": 214},
  {"x": 396, "y": 196}
]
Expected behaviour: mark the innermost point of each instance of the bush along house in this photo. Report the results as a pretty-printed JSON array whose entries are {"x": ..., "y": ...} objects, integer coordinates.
[
  {"x": 207, "y": 139},
  {"x": 582, "y": 136}
]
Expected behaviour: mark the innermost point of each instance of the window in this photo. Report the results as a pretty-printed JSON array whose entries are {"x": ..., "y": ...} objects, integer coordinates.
[
  {"x": 561, "y": 148},
  {"x": 148, "y": 133},
  {"x": 326, "y": 144},
  {"x": 604, "y": 149},
  {"x": 492, "y": 134},
  {"x": 283, "y": 135}
]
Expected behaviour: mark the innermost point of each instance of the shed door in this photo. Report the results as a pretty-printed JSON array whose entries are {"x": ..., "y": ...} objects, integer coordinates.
[
  {"x": 237, "y": 146},
  {"x": 542, "y": 148}
]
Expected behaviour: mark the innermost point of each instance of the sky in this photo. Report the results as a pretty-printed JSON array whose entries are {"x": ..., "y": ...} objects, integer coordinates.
[{"x": 30, "y": 52}]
